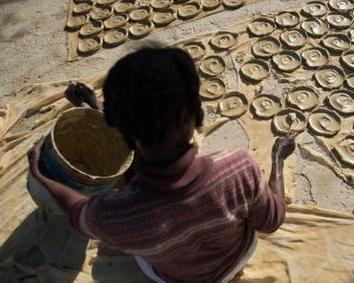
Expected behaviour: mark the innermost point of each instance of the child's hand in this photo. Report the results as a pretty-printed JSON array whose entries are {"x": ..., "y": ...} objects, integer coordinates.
[
  {"x": 79, "y": 94},
  {"x": 283, "y": 147},
  {"x": 33, "y": 159}
]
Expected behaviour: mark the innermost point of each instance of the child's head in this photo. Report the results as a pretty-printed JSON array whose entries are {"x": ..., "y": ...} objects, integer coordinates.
[{"x": 152, "y": 97}]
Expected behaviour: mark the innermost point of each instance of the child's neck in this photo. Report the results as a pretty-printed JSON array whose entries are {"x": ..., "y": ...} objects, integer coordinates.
[{"x": 160, "y": 156}]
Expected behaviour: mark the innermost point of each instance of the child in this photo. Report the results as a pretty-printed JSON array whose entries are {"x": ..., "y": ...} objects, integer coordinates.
[{"x": 185, "y": 217}]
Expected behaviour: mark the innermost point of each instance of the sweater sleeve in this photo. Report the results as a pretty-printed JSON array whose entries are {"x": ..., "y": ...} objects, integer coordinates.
[{"x": 266, "y": 211}]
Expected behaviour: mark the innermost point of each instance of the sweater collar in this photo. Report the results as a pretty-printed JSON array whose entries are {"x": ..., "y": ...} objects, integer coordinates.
[{"x": 179, "y": 174}]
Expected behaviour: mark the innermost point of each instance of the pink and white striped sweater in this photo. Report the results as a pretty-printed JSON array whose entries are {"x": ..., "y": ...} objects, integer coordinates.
[{"x": 193, "y": 220}]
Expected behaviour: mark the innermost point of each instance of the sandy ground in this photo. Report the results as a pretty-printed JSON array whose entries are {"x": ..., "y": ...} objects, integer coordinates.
[{"x": 33, "y": 49}]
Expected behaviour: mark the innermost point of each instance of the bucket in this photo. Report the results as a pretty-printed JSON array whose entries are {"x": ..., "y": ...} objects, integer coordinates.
[{"x": 82, "y": 152}]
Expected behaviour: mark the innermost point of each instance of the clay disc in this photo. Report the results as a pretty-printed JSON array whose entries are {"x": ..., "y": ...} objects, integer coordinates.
[
  {"x": 287, "y": 61},
  {"x": 330, "y": 77},
  {"x": 345, "y": 151},
  {"x": 336, "y": 42},
  {"x": 196, "y": 49},
  {"x": 289, "y": 121},
  {"x": 342, "y": 101},
  {"x": 223, "y": 40},
  {"x": 209, "y": 5},
  {"x": 212, "y": 89},
  {"x": 315, "y": 57},
  {"x": 123, "y": 7},
  {"x": 315, "y": 27},
  {"x": 234, "y": 105},
  {"x": 347, "y": 59},
  {"x": 287, "y": 19},
  {"x": 233, "y": 4},
  {"x": 255, "y": 70},
  {"x": 160, "y": 4},
  {"x": 350, "y": 82},
  {"x": 315, "y": 9},
  {"x": 82, "y": 1},
  {"x": 91, "y": 28},
  {"x": 115, "y": 21},
  {"x": 212, "y": 66},
  {"x": 105, "y": 2},
  {"x": 140, "y": 14},
  {"x": 303, "y": 98},
  {"x": 339, "y": 21},
  {"x": 261, "y": 27},
  {"x": 351, "y": 35},
  {"x": 82, "y": 8},
  {"x": 341, "y": 6},
  {"x": 266, "y": 106},
  {"x": 324, "y": 122},
  {"x": 164, "y": 17},
  {"x": 294, "y": 38},
  {"x": 266, "y": 47},
  {"x": 140, "y": 29},
  {"x": 89, "y": 45},
  {"x": 115, "y": 37},
  {"x": 101, "y": 13},
  {"x": 76, "y": 22},
  {"x": 189, "y": 10}
]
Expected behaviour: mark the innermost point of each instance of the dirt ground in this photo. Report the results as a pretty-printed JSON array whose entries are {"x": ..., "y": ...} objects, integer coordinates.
[{"x": 33, "y": 49}]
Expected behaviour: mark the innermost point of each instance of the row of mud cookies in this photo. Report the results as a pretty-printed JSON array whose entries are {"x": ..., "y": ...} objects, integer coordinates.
[
  {"x": 210, "y": 54},
  {"x": 316, "y": 40},
  {"x": 109, "y": 23}
]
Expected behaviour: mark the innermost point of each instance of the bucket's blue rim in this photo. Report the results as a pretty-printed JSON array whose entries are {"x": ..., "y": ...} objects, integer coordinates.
[{"x": 128, "y": 161}]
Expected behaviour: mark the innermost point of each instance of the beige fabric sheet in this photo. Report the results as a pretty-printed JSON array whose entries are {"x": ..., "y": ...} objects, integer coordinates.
[{"x": 313, "y": 245}]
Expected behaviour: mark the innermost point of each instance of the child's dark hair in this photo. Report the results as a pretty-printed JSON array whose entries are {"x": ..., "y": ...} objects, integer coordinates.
[{"x": 146, "y": 91}]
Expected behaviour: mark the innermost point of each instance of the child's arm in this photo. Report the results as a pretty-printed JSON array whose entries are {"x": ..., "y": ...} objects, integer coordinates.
[
  {"x": 66, "y": 197},
  {"x": 80, "y": 95}
]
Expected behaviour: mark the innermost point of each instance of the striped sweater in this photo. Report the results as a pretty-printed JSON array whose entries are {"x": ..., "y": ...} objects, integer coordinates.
[{"x": 193, "y": 220}]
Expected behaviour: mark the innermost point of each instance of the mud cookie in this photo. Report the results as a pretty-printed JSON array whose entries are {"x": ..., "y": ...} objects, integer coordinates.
[
  {"x": 289, "y": 121},
  {"x": 223, "y": 40},
  {"x": 287, "y": 61},
  {"x": 196, "y": 49},
  {"x": 76, "y": 22},
  {"x": 294, "y": 39},
  {"x": 324, "y": 122},
  {"x": 115, "y": 21},
  {"x": 189, "y": 10},
  {"x": 266, "y": 106},
  {"x": 234, "y": 105},
  {"x": 339, "y": 21},
  {"x": 329, "y": 77},
  {"x": 140, "y": 14},
  {"x": 212, "y": 66},
  {"x": 341, "y": 6},
  {"x": 261, "y": 27},
  {"x": 315, "y": 27},
  {"x": 342, "y": 101},
  {"x": 315, "y": 9},
  {"x": 336, "y": 42},
  {"x": 315, "y": 57},
  {"x": 212, "y": 88},
  {"x": 266, "y": 47},
  {"x": 91, "y": 28},
  {"x": 115, "y": 37},
  {"x": 163, "y": 17},
  {"x": 303, "y": 98},
  {"x": 209, "y": 5},
  {"x": 255, "y": 70},
  {"x": 89, "y": 45},
  {"x": 140, "y": 29},
  {"x": 287, "y": 19}
]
